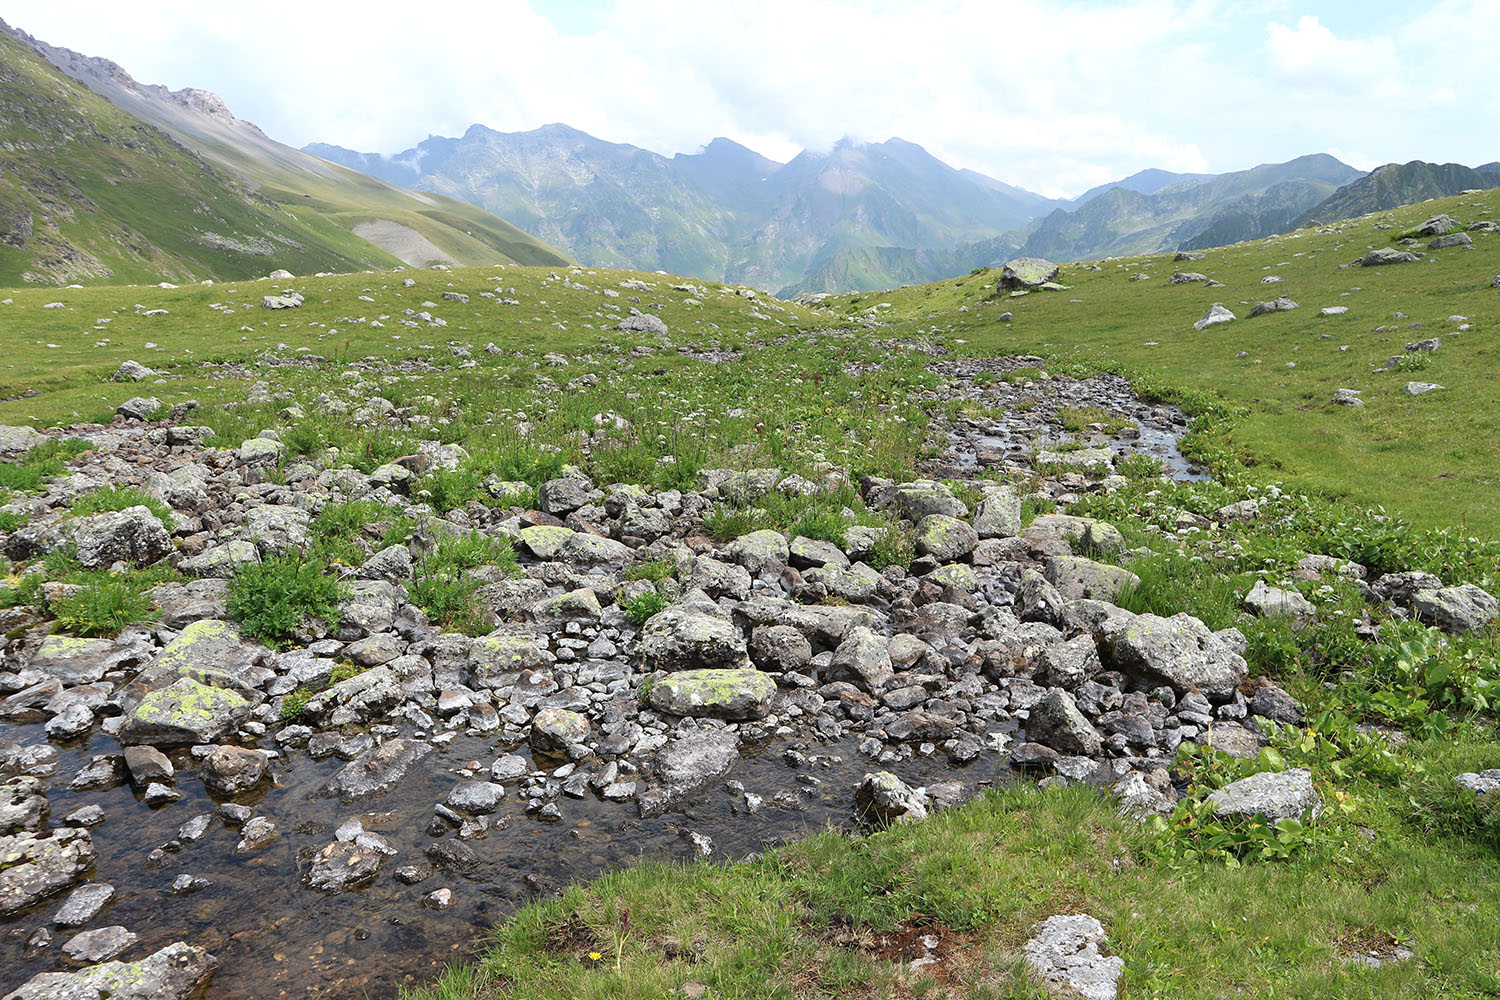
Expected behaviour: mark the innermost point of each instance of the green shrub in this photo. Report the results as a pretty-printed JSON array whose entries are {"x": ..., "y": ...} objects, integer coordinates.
[
  {"x": 640, "y": 609},
  {"x": 270, "y": 600},
  {"x": 338, "y": 526},
  {"x": 293, "y": 704},
  {"x": 104, "y": 608},
  {"x": 113, "y": 498},
  {"x": 343, "y": 670},
  {"x": 725, "y": 524},
  {"x": 10, "y": 521}
]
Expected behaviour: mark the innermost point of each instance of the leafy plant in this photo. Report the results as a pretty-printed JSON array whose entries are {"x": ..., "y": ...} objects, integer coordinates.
[
  {"x": 643, "y": 607},
  {"x": 444, "y": 587},
  {"x": 271, "y": 600},
  {"x": 104, "y": 608},
  {"x": 113, "y": 498},
  {"x": 655, "y": 570}
]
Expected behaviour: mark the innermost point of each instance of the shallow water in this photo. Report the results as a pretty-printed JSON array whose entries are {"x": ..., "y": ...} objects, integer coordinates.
[
  {"x": 1014, "y": 441},
  {"x": 274, "y": 937}
]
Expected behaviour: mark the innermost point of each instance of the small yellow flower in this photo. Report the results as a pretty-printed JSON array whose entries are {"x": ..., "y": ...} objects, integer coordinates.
[{"x": 595, "y": 956}]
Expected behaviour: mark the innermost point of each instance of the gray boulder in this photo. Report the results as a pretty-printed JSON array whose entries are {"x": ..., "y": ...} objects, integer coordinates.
[
  {"x": 1025, "y": 273},
  {"x": 760, "y": 551},
  {"x": 1056, "y": 722},
  {"x": 557, "y": 730},
  {"x": 131, "y": 371},
  {"x": 1450, "y": 241},
  {"x": 1216, "y": 314},
  {"x": 133, "y": 535},
  {"x": 882, "y": 798},
  {"x": 643, "y": 323},
  {"x": 177, "y": 972},
  {"x": 686, "y": 764},
  {"x": 863, "y": 659},
  {"x": 998, "y": 515},
  {"x": 1076, "y": 577},
  {"x": 736, "y": 694},
  {"x": 1276, "y": 795},
  {"x": 138, "y": 407},
  {"x": 945, "y": 538},
  {"x": 1455, "y": 609},
  {"x": 1068, "y": 954},
  {"x": 1386, "y": 255},
  {"x": 691, "y": 636},
  {"x": 1266, "y": 601},
  {"x": 1179, "y": 650},
  {"x": 36, "y": 865},
  {"x": 1279, "y": 304}
]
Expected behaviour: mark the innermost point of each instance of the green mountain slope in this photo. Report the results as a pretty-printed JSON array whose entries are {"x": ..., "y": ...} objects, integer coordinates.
[
  {"x": 92, "y": 191},
  {"x": 1226, "y": 208},
  {"x": 1397, "y": 184}
]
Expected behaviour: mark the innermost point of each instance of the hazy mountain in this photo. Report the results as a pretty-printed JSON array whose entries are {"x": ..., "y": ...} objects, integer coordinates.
[
  {"x": 1192, "y": 211},
  {"x": 1397, "y": 184},
  {"x": 304, "y": 213},
  {"x": 1147, "y": 181},
  {"x": 723, "y": 213}
]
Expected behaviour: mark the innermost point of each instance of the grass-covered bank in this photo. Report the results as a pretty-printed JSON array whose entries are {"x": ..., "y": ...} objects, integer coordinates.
[{"x": 844, "y": 917}]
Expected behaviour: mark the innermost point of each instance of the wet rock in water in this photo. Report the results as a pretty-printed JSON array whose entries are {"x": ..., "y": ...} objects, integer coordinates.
[
  {"x": 736, "y": 694},
  {"x": 147, "y": 765},
  {"x": 1266, "y": 601},
  {"x": 258, "y": 833},
  {"x": 686, "y": 764},
  {"x": 230, "y": 770},
  {"x": 508, "y": 767},
  {"x": 184, "y": 885},
  {"x": 882, "y": 797},
  {"x": 104, "y": 771},
  {"x": 343, "y": 865},
  {"x": 185, "y": 713},
  {"x": 1277, "y": 795},
  {"x": 1179, "y": 650},
  {"x": 477, "y": 798},
  {"x": 176, "y": 972},
  {"x": 99, "y": 945},
  {"x": 84, "y": 904},
  {"x": 377, "y": 770},
  {"x": 36, "y": 865},
  {"x": 1067, "y": 953},
  {"x": 557, "y": 730},
  {"x": 1056, "y": 722},
  {"x": 23, "y": 805}
]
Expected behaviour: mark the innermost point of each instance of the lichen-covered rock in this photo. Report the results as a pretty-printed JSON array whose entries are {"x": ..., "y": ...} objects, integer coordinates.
[
  {"x": 1267, "y": 601},
  {"x": 1076, "y": 577},
  {"x": 688, "y": 637},
  {"x": 1083, "y": 532},
  {"x": 736, "y": 694},
  {"x": 581, "y": 605},
  {"x": 184, "y": 713},
  {"x": 998, "y": 515},
  {"x": 1067, "y": 953},
  {"x": 176, "y": 972},
  {"x": 760, "y": 551},
  {"x": 946, "y": 539},
  {"x": 1276, "y": 795},
  {"x": 1026, "y": 273},
  {"x": 557, "y": 730},
  {"x": 260, "y": 452},
  {"x": 863, "y": 659},
  {"x": 212, "y": 652},
  {"x": 72, "y": 660}
]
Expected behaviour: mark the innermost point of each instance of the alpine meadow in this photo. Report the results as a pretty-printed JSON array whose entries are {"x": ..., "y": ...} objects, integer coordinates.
[{"x": 835, "y": 573}]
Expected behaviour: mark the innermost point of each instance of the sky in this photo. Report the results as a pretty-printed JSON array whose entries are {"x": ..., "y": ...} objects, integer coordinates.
[{"x": 1053, "y": 95}]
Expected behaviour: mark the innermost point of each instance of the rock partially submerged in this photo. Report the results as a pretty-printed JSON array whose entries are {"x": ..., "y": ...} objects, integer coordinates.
[{"x": 177, "y": 972}]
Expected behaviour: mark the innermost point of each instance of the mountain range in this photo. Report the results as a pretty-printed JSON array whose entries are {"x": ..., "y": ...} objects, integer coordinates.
[{"x": 102, "y": 177}]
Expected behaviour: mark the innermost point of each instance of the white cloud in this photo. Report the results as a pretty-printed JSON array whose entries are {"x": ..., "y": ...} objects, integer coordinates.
[{"x": 1053, "y": 96}]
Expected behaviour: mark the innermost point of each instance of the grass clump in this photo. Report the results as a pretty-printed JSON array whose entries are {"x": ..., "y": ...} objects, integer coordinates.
[
  {"x": 453, "y": 489},
  {"x": 1077, "y": 419},
  {"x": 104, "y": 608},
  {"x": 655, "y": 570},
  {"x": 271, "y": 600},
  {"x": 114, "y": 498},
  {"x": 42, "y": 464},
  {"x": 293, "y": 704},
  {"x": 444, "y": 584},
  {"x": 338, "y": 528}
]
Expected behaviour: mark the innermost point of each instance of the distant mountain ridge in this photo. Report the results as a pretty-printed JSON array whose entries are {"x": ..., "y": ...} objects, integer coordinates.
[
  {"x": 726, "y": 212},
  {"x": 1397, "y": 184},
  {"x": 345, "y": 221}
]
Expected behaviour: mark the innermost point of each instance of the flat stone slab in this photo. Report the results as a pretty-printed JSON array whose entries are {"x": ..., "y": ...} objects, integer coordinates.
[
  {"x": 177, "y": 972},
  {"x": 33, "y": 866},
  {"x": 377, "y": 770},
  {"x": 1067, "y": 954},
  {"x": 1277, "y": 795}
]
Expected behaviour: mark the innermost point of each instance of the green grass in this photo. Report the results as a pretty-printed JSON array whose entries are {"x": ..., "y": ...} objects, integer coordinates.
[
  {"x": 114, "y": 498},
  {"x": 444, "y": 585},
  {"x": 643, "y": 607},
  {"x": 104, "y": 607}
]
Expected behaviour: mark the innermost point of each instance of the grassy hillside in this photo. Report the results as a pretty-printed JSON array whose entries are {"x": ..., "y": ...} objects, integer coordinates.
[
  {"x": 91, "y": 193},
  {"x": 1428, "y": 456}
]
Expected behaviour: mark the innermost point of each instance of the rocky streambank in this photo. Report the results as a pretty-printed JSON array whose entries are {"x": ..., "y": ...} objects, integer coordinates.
[{"x": 180, "y": 797}]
